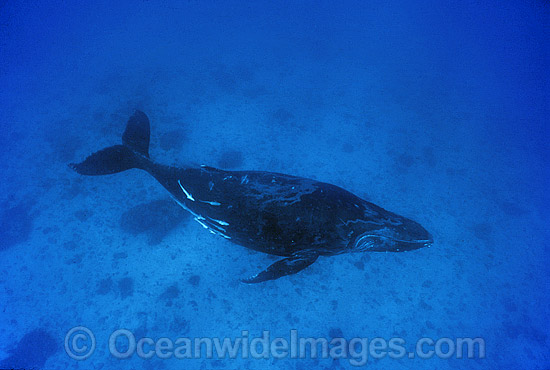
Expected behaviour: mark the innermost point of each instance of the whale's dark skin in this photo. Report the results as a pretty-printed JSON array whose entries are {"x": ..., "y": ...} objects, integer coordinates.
[{"x": 294, "y": 217}]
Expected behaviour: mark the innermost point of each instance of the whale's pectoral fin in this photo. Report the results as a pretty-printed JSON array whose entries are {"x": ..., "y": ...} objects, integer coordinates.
[{"x": 286, "y": 266}]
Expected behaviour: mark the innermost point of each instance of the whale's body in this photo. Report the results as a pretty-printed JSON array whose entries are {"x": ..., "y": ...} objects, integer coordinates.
[{"x": 284, "y": 215}]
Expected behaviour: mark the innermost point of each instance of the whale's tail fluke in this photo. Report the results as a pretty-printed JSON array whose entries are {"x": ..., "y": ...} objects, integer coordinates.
[
  {"x": 133, "y": 153},
  {"x": 137, "y": 133}
]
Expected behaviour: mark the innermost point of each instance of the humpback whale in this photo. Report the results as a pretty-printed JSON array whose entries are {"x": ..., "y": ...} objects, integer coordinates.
[{"x": 293, "y": 217}]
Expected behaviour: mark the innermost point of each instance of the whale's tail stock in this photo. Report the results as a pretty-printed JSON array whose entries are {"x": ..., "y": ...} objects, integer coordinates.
[{"x": 133, "y": 153}]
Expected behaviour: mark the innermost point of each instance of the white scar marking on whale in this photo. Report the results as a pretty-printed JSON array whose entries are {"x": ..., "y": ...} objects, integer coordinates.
[
  {"x": 219, "y": 221},
  {"x": 225, "y": 236},
  {"x": 199, "y": 220},
  {"x": 244, "y": 180},
  {"x": 211, "y": 203},
  {"x": 189, "y": 196},
  {"x": 184, "y": 206},
  {"x": 359, "y": 245},
  {"x": 219, "y": 228}
]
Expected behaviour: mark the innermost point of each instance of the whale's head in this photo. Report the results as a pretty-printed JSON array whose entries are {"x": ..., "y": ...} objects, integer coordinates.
[{"x": 383, "y": 231}]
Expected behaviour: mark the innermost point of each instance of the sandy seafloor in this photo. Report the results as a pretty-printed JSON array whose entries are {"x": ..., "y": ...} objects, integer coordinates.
[{"x": 438, "y": 112}]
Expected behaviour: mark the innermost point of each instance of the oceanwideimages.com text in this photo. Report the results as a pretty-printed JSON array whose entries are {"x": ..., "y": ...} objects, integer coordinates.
[{"x": 80, "y": 344}]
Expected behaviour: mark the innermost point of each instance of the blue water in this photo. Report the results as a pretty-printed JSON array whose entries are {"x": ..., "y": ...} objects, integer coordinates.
[{"x": 435, "y": 111}]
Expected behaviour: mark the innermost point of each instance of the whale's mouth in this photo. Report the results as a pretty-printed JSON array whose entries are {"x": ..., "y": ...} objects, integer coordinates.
[
  {"x": 414, "y": 244},
  {"x": 386, "y": 243},
  {"x": 426, "y": 242}
]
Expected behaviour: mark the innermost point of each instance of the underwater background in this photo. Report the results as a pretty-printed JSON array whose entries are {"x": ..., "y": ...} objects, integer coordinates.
[{"x": 438, "y": 111}]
